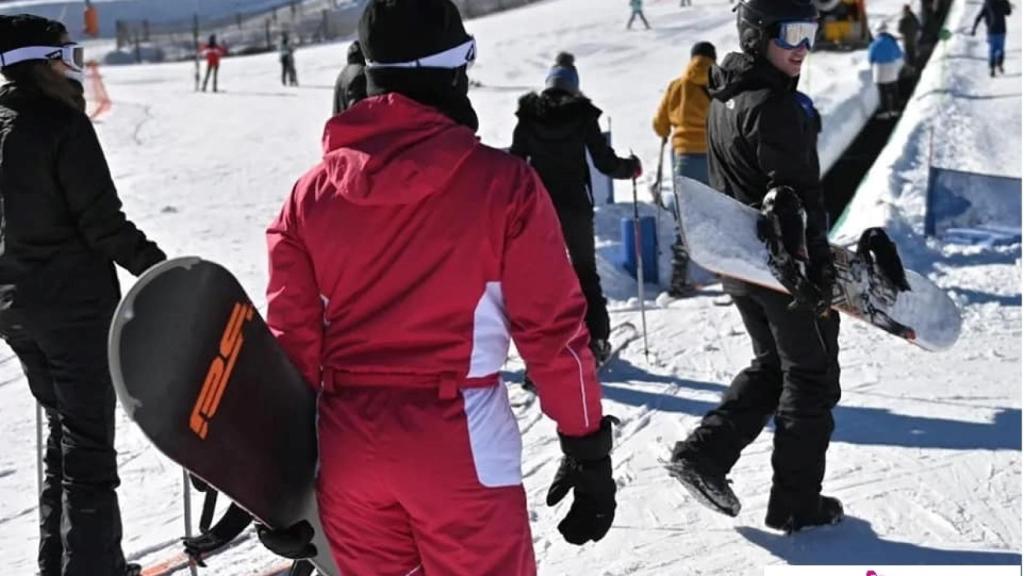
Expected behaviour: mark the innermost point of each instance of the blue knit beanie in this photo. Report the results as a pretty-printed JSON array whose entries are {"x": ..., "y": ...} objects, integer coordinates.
[{"x": 563, "y": 76}]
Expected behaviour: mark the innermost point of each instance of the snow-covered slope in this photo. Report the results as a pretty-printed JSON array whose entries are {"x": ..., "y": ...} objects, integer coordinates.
[{"x": 926, "y": 453}]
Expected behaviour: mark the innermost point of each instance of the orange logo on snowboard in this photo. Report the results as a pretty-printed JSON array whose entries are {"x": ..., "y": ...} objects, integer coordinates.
[{"x": 220, "y": 370}]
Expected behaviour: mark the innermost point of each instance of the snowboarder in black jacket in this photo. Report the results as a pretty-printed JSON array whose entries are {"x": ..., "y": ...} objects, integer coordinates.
[
  {"x": 555, "y": 131},
  {"x": 762, "y": 134},
  {"x": 994, "y": 13},
  {"x": 910, "y": 28},
  {"x": 351, "y": 84},
  {"x": 63, "y": 230}
]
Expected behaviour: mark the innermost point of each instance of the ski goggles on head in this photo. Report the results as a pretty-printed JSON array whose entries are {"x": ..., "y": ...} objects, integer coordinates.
[
  {"x": 73, "y": 55},
  {"x": 793, "y": 35},
  {"x": 462, "y": 55}
]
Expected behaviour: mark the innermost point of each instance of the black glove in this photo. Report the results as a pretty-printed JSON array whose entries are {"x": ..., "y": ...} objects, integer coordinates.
[
  {"x": 295, "y": 542},
  {"x": 586, "y": 468}
]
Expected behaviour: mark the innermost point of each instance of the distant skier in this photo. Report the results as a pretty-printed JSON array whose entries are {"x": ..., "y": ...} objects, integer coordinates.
[
  {"x": 762, "y": 135},
  {"x": 886, "y": 60},
  {"x": 636, "y": 8},
  {"x": 286, "y": 53},
  {"x": 213, "y": 52},
  {"x": 556, "y": 129},
  {"x": 994, "y": 13},
  {"x": 62, "y": 230},
  {"x": 400, "y": 266},
  {"x": 683, "y": 114},
  {"x": 910, "y": 29},
  {"x": 351, "y": 84}
]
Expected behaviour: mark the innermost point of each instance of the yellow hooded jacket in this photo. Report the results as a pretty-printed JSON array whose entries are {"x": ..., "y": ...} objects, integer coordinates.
[{"x": 684, "y": 109}]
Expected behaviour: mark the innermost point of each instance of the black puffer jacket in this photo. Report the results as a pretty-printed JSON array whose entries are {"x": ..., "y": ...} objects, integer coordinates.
[
  {"x": 554, "y": 132},
  {"x": 63, "y": 225},
  {"x": 763, "y": 133}
]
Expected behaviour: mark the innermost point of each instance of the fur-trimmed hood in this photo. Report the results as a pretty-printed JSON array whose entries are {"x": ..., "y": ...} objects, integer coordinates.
[{"x": 554, "y": 114}]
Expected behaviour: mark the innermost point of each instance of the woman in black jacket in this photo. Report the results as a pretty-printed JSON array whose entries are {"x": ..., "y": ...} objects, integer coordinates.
[
  {"x": 556, "y": 129},
  {"x": 63, "y": 229}
]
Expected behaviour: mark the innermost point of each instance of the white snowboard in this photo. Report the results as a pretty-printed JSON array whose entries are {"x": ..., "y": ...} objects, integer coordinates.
[{"x": 721, "y": 235}]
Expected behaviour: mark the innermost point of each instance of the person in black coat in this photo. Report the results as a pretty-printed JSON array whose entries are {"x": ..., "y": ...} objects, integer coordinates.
[
  {"x": 63, "y": 230},
  {"x": 555, "y": 131},
  {"x": 994, "y": 13},
  {"x": 762, "y": 134},
  {"x": 910, "y": 28},
  {"x": 351, "y": 84}
]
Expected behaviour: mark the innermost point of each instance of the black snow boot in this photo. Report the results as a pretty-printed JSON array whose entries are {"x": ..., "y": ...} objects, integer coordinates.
[
  {"x": 132, "y": 570},
  {"x": 827, "y": 511},
  {"x": 704, "y": 482}
]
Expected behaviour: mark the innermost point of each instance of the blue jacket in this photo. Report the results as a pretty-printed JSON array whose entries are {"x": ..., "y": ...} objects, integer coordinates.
[{"x": 884, "y": 49}]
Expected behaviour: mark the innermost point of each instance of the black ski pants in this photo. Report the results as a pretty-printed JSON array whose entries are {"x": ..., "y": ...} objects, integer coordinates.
[
  {"x": 64, "y": 357},
  {"x": 793, "y": 378},
  {"x": 578, "y": 229},
  {"x": 633, "y": 16},
  {"x": 206, "y": 79}
]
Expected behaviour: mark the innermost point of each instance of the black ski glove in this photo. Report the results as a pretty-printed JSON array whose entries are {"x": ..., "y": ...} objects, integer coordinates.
[
  {"x": 586, "y": 468},
  {"x": 295, "y": 542}
]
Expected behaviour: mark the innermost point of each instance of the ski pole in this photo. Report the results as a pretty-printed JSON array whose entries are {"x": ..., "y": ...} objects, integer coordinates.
[
  {"x": 639, "y": 267},
  {"x": 187, "y": 491}
]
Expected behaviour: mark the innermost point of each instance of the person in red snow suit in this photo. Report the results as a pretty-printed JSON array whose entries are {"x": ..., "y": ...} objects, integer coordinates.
[
  {"x": 213, "y": 52},
  {"x": 400, "y": 267}
]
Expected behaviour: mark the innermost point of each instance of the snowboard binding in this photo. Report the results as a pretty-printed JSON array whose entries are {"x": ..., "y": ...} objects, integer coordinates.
[
  {"x": 878, "y": 251},
  {"x": 783, "y": 228}
]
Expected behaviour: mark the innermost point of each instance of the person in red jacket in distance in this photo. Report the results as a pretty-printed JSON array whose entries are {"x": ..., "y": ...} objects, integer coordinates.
[{"x": 400, "y": 267}]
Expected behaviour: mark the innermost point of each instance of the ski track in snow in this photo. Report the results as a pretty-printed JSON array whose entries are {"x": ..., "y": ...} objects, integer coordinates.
[{"x": 926, "y": 452}]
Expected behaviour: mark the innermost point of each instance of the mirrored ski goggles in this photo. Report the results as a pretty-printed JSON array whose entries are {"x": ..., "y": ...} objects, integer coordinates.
[
  {"x": 793, "y": 35},
  {"x": 462, "y": 55},
  {"x": 73, "y": 55}
]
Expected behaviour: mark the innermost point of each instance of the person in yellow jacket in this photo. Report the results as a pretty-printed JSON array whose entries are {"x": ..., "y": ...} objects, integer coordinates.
[{"x": 683, "y": 115}]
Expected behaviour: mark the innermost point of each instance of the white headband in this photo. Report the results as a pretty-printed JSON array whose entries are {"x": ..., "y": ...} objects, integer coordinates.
[{"x": 462, "y": 55}]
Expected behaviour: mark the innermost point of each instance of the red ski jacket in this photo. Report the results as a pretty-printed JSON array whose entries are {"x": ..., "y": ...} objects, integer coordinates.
[{"x": 412, "y": 253}]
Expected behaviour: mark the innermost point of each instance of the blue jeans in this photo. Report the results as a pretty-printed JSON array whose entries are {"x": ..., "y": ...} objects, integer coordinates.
[
  {"x": 996, "y": 45},
  {"x": 684, "y": 271}
]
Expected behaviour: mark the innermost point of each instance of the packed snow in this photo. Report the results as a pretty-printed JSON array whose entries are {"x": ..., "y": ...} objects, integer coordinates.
[{"x": 926, "y": 451}]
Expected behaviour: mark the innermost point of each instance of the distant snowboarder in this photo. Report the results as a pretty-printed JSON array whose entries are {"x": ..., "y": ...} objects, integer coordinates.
[
  {"x": 993, "y": 13},
  {"x": 400, "y": 267},
  {"x": 762, "y": 134},
  {"x": 886, "y": 60},
  {"x": 910, "y": 28},
  {"x": 636, "y": 8},
  {"x": 62, "y": 230},
  {"x": 286, "y": 54},
  {"x": 213, "y": 52}
]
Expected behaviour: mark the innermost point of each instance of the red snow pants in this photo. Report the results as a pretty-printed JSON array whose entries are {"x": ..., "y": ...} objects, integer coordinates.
[{"x": 417, "y": 482}]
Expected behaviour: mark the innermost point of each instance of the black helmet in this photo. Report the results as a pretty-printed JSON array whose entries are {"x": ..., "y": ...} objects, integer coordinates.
[{"x": 758, "y": 20}]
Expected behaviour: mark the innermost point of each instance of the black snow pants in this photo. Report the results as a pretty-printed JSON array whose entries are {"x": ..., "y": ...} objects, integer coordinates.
[
  {"x": 794, "y": 377},
  {"x": 578, "y": 229},
  {"x": 64, "y": 357}
]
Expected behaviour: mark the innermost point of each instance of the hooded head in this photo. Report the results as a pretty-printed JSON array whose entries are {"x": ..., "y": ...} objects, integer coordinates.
[
  {"x": 420, "y": 49},
  {"x": 563, "y": 75},
  {"x": 706, "y": 49},
  {"x": 49, "y": 71}
]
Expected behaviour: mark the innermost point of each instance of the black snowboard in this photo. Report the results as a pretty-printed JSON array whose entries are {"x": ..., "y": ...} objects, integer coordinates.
[{"x": 195, "y": 366}]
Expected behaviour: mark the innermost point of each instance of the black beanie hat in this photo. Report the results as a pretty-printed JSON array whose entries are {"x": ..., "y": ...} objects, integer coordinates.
[
  {"x": 403, "y": 30},
  {"x": 392, "y": 31},
  {"x": 704, "y": 49},
  {"x": 23, "y": 30}
]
